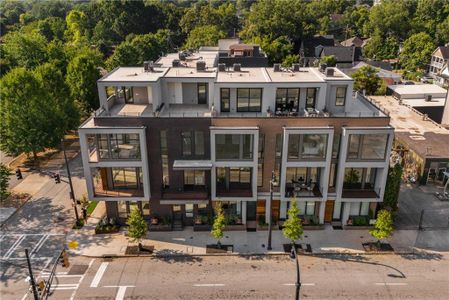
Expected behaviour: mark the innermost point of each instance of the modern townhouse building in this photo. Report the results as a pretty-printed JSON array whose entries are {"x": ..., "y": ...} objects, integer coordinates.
[{"x": 175, "y": 136}]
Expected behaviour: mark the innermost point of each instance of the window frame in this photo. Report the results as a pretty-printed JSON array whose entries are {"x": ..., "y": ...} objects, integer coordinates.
[
  {"x": 223, "y": 99},
  {"x": 338, "y": 99},
  {"x": 248, "y": 100},
  {"x": 300, "y": 144},
  {"x": 279, "y": 101},
  {"x": 361, "y": 137},
  {"x": 194, "y": 146},
  {"x": 315, "y": 92}
]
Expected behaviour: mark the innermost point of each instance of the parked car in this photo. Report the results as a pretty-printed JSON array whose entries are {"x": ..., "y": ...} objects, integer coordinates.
[{"x": 426, "y": 79}]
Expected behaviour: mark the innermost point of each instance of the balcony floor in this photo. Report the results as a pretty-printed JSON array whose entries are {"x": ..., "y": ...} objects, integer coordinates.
[
  {"x": 359, "y": 194},
  {"x": 99, "y": 191}
]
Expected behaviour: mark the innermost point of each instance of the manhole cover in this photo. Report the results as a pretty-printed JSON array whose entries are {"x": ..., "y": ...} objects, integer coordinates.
[{"x": 78, "y": 270}]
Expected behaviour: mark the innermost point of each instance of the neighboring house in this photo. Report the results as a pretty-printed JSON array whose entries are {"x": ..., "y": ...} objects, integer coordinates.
[
  {"x": 233, "y": 51},
  {"x": 354, "y": 41},
  {"x": 345, "y": 56},
  {"x": 442, "y": 79},
  {"x": 440, "y": 58},
  {"x": 173, "y": 138},
  {"x": 386, "y": 75},
  {"x": 426, "y": 98},
  {"x": 307, "y": 49}
]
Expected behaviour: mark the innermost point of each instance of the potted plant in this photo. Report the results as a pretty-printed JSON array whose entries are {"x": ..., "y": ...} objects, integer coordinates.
[
  {"x": 137, "y": 227},
  {"x": 383, "y": 228},
  {"x": 292, "y": 226}
]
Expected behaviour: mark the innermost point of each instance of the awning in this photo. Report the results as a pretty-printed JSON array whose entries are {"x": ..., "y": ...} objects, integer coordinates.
[{"x": 192, "y": 165}]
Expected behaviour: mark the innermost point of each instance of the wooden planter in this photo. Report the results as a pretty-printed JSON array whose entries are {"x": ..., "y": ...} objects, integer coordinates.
[
  {"x": 313, "y": 227},
  {"x": 214, "y": 248},
  {"x": 356, "y": 227},
  {"x": 202, "y": 227},
  {"x": 236, "y": 227},
  {"x": 265, "y": 227},
  {"x": 160, "y": 227}
]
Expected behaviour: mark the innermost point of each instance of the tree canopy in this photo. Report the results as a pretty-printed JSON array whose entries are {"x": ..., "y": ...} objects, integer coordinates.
[
  {"x": 366, "y": 79},
  {"x": 416, "y": 52}
]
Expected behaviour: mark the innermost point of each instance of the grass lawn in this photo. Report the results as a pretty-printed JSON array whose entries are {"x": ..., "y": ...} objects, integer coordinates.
[{"x": 91, "y": 207}]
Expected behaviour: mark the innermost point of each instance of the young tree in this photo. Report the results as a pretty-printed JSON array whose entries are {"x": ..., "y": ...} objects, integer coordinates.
[
  {"x": 366, "y": 79},
  {"x": 207, "y": 35},
  {"x": 383, "y": 228},
  {"x": 292, "y": 226},
  {"x": 137, "y": 227},
  {"x": 219, "y": 223},
  {"x": 31, "y": 118},
  {"x": 5, "y": 172},
  {"x": 329, "y": 60},
  {"x": 393, "y": 187},
  {"x": 416, "y": 52}
]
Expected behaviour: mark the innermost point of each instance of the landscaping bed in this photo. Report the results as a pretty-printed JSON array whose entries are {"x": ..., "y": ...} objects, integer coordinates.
[
  {"x": 134, "y": 250},
  {"x": 300, "y": 248},
  {"x": 235, "y": 227},
  {"x": 376, "y": 247},
  {"x": 202, "y": 227},
  {"x": 214, "y": 248},
  {"x": 105, "y": 229}
]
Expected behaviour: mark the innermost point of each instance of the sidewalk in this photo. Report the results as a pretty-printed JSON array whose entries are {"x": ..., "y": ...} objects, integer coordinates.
[{"x": 188, "y": 242}]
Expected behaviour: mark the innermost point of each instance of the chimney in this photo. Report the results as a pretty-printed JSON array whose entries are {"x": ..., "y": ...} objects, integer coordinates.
[
  {"x": 276, "y": 67},
  {"x": 295, "y": 67},
  {"x": 330, "y": 72},
  {"x": 148, "y": 66},
  {"x": 237, "y": 67},
  {"x": 201, "y": 65},
  {"x": 221, "y": 67},
  {"x": 176, "y": 63}
]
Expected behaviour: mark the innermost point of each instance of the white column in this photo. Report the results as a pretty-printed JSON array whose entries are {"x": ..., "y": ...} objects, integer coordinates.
[
  {"x": 345, "y": 216},
  {"x": 322, "y": 209},
  {"x": 283, "y": 210},
  {"x": 244, "y": 212},
  {"x": 86, "y": 167}
]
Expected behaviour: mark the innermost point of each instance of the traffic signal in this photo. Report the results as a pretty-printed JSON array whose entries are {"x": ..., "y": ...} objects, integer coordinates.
[
  {"x": 57, "y": 178},
  {"x": 64, "y": 259},
  {"x": 19, "y": 174}
]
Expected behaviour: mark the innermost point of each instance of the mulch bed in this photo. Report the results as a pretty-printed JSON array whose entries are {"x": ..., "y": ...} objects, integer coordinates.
[
  {"x": 214, "y": 248},
  {"x": 15, "y": 200},
  {"x": 300, "y": 248},
  {"x": 374, "y": 247},
  {"x": 134, "y": 250}
]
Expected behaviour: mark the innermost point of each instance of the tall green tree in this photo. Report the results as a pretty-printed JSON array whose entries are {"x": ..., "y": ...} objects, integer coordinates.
[
  {"x": 366, "y": 79},
  {"x": 329, "y": 60},
  {"x": 381, "y": 47},
  {"x": 207, "y": 35},
  {"x": 76, "y": 27},
  {"x": 219, "y": 223},
  {"x": 416, "y": 53},
  {"x": 442, "y": 32},
  {"x": 138, "y": 228},
  {"x": 5, "y": 172},
  {"x": 277, "y": 50},
  {"x": 392, "y": 187},
  {"x": 31, "y": 118},
  {"x": 292, "y": 226},
  {"x": 383, "y": 228},
  {"x": 82, "y": 75}
]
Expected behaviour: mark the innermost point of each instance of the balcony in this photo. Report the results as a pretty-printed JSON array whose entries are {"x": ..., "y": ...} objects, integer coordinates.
[
  {"x": 235, "y": 190},
  {"x": 312, "y": 190},
  {"x": 186, "y": 193},
  {"x": 367, "y": 194},
  {"x": 100, "y": 191}
]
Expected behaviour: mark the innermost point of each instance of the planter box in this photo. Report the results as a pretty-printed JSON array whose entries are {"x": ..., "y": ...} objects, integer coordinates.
[
  {"x": 202, "y": 227},
  {"x": 265, "y": 227},
  {"x": 353, "y": 227},
  {"x": 237, "y": 227},
  {"x": 134, "y": 250},
  {"x": 313, "y": 227},
  {"x": 160, "y": 227},
  {"x": 373, "y": 247},
  {"x": 114, "y": 229},
  {"x": 300, "y": 248},
  {"x": 214, "y": 248}
]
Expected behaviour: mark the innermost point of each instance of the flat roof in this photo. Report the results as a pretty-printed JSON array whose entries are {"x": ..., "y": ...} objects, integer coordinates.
[
  {"x": 424, "y": 137},
  {"x": 420, "y": 102},
  {"x": 404, "y": 89},
  {"x": 304, "y": 75},
  {"x": 254, "y": 75},
  {"x": 190, "y": 73},
  {"x": 210, "y": 57},
  {"x": 132, "y": 74}
]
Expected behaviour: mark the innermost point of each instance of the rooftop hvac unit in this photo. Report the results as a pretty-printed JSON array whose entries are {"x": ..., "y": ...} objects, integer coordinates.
[
  {"x": 201, "y": 65},
  {"x": 176, "y": 63},
  {"x": 148, "y": 66},
  {"x": 428, "y": 98},
  {"x": 182, "y": 56},
  {"x": 323, "y": 67},
  {"x": 221, "y": 67},
  {"x": 237, "y": 67},
  {"x": 329, "y": 72},
  {"x": 295, "y": 67},
  {"x": 276, "y": 67}
]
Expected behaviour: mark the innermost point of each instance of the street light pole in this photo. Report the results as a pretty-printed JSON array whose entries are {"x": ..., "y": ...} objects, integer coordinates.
[
  {"x": 298, "y": 278},
  {"x": 270, "y": 212},
  {"x": 32, "y": 282},
  {"x": 72, "y": 193}
]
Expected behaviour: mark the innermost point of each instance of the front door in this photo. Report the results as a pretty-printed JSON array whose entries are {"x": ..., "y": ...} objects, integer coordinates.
[
  {"x": 328, "y": 211},
  {"x": 251, "y": 210},
  {"x": 177, "y": 213}
]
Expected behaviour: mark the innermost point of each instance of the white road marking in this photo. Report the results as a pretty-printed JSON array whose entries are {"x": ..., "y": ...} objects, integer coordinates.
[
  {"x": 391, "y": 283},
  {"x": 64, "y": 288},
  {"x": 14, "y": 247},
  {"x": 81, "y": 278},
  {"x": 24, "y": 258},
  {"x": 62, "y": 276},
  {"x": 121, "y": 290},
  {"x": 302, "y": 284},
  {"x": 39, "y": 245},
  {"x": 208, "y": 284},
  {"x": 100, "y": 272}
]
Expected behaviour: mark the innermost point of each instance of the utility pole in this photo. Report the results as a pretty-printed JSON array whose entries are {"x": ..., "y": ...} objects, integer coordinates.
[
  {"x": 32, "y": 282},
  {"x": 273, "y": 178},
  {"x": 72, "y": 193},
  {"x": 294, "y": 255}
]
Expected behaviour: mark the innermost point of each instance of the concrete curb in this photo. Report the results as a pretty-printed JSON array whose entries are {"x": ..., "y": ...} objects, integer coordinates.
[{"x": 14, "y": 159}]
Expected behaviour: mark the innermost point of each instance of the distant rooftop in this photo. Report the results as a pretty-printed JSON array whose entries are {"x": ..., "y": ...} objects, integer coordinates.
[{"x": 418, "y": 89}]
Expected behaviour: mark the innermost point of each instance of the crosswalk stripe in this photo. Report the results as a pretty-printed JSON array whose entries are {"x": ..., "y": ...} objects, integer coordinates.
[
  {"x": 14, "y": 247},
  {"x": 39, "y": 244}
]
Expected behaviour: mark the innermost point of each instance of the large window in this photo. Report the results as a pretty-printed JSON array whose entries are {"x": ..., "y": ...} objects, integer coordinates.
[
  {"x": 287, "y": 99},
  {"x": 225, "y": 100},
  {"x": 194, "y": 178},
  {"x": 233, "y": 179},
  {"x": 278, "y": 158},
  {"x": 164, "y": 159},
  {"x": 192, "y": 143},
  {"x": 249, "y": 100},
  {"x": 367, "y": 146},
  {"x": 340, "y": 96},
  {"x": 260, "y": 160},
  {"x": 234, "y": 146},
  {"x": 359, "y": 178},
  {"x": 126, "y": 178},
  {"x": 311, "y": 97},
  {"x": 202, "y": 93},
  {"x": 119, "y": 146},
  {"x": 336, "y": 146},
  {"x": 307, "y": 146}
]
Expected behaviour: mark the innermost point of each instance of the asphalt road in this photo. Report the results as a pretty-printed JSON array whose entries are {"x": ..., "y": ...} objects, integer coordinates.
[{"x": 330, "y": 277}]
